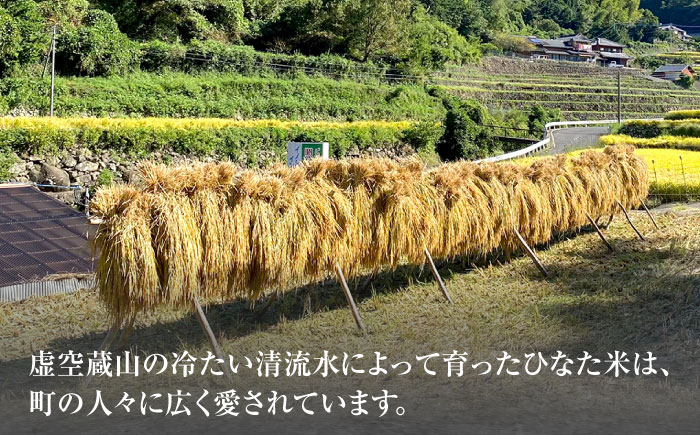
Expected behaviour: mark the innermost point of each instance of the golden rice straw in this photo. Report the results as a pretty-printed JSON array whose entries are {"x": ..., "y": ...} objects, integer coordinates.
[{"x": 213, "y": 231}]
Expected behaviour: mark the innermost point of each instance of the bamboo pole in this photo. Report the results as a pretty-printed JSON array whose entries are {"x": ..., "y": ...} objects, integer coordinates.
[
  {"x": 600, "y": 233},
  {"x": 348, "y": 296},
  {"x": 437, "y": 276},
  {"x": 210, "y": 335},
  {"x": 531, "y": 253},
  {"x": 650, "y": 216},
  {"x": 624, "y": 210}
]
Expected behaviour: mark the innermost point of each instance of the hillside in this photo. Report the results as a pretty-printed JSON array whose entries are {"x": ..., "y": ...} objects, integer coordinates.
[
  {"x": 501, "y": 84},
  {"x": 675, "y": 11},
  {"x": 579, "y": 92}
]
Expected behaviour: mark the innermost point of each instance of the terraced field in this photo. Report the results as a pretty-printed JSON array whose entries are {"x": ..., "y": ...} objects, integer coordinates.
[
  {"x": 681, "y": 56},
  {"x": 579, "y": 92}
]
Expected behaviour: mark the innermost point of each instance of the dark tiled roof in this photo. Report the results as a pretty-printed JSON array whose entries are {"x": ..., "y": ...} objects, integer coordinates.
[
  {"x": 40, "y": 236},
  {"x": 608, "y": 43},
  {"x": 608, "y": 55},
  {"x": 670, "y": 68}
]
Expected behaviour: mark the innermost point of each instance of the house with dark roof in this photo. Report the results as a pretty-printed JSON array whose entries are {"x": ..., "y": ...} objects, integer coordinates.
[
  {"x": 578, "y": 48},
  {"x": 679, "y": 33},
  {"x": 44, "y": 246},
  {"x": 673, "y": 72}
]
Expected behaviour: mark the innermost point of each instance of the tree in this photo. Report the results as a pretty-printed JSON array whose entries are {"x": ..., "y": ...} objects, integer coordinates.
[
  {"x": 377, "y": 27},
  {"x": 23, "y": 40},
  {"x": 96, "y": 48},
  {"x": 10, "y": 43},
  {"x": 432, "y": 44},
  {"x": 179, "y": 20}
]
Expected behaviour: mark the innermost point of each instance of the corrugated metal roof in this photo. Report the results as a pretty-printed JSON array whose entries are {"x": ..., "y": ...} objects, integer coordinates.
[
  {"x": 40, "y": 236},
  {"x": 18, "y": 292}
]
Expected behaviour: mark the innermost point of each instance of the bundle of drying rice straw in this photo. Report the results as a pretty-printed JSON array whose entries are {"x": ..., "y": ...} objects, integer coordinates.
[{"x": 215, "y": 232}]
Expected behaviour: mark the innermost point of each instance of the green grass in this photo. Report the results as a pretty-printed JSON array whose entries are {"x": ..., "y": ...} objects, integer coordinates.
[{"x": 225, "y": 96}]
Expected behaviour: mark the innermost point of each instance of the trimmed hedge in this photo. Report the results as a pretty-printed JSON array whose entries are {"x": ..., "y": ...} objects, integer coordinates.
[
  {"x": 233, "y": 139},
  {"x": 683, "y": 114},
  {"x": 650, "y": 129}
]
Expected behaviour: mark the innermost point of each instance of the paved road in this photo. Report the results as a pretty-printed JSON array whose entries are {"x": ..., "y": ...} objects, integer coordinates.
[{"x": 570, "y": 139}]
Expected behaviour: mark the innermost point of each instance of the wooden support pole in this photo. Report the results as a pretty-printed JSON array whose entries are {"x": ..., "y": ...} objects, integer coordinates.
[
  {"x": 106, "y": 344},
  {"x": 126, "y": 332},
  {"x": 650, "y": 216},
  {"x": 437, "y": 276},
  {"x": 531, "y": 253},
  {"x": 362, "y": 287},
  {"x": 600, "y": 233},
  {"x": 348, "y": 296},
  {"x": 610, "y": 220},
  {"x": 624, "y": 210},
  {"x": 212, "y": 338},
  {"x": 270, "y": 301}
]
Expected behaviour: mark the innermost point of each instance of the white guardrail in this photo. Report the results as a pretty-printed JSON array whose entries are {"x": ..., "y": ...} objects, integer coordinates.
[{"x": 548, "y": 128}]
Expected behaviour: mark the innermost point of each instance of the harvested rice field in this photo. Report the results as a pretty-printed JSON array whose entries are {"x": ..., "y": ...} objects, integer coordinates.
[{"x": 642, "y": 297}]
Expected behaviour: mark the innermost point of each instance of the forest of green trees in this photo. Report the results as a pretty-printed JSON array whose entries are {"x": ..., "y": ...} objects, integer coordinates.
[
  {"x": 102, "y": 37},
  {"x": 676, "y": 11}
]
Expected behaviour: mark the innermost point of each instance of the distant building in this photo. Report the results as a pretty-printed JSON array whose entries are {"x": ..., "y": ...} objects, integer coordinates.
[
  {"x": 673, "y": 72},
  {"x": 578, "y": 48},
  {"x": 677, "y": 31}
]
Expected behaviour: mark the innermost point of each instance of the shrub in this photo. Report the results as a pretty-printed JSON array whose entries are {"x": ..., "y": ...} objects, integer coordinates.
[
  {"x": 22, "y": 39},
  {"x": 686, "y": 81},
  {"x": 640, "y": 129},
  {"x": 97, "y": 48},
  {"x": 465, "y": 136},
  {"x": 683, "y": 114},
  {"x": 539, "y": 116},
  {"x": 650, "y": 129},
  {"x": 105, "y": 178},
  {"x": 7, "y": 160}
]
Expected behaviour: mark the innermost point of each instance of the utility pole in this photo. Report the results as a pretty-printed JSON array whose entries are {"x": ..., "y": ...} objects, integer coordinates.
[
  {"x": 619, "y": 96},
  {"x": 53, "y": 66}
]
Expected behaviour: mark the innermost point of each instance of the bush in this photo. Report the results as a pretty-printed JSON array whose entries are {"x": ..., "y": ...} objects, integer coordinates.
[
  {"x": 651, "y": 129},
  {"x": 181, "y": 20},
  {"x": 217, "y": 56},
  {"x": 432, "y": 44},
  {"x": 22, "y": 37},
  {"x": 105, "y": 178},
  {"x": 686, "y": 81},
  {"x": 640, "y": 129},
  {"x": 540, "y": 116},
  {"x": 96, "y": 49},
  {"x": 7, "y": 160},
  {"x": 683, "y": 114},
  {"x": 465, "y": 136}
]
